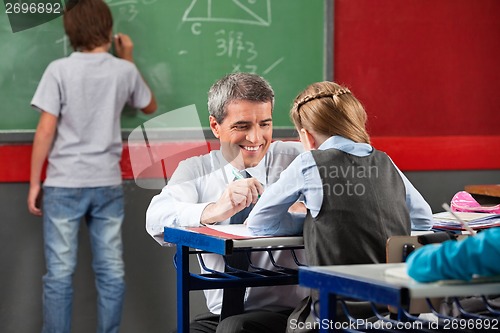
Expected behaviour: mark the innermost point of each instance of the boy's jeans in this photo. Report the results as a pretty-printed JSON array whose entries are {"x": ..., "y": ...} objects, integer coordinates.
[{"x": 63, "y": 209}]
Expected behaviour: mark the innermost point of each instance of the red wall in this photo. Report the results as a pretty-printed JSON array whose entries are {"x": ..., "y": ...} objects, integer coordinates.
[
  {"x": 427, "y": 71},
  {"x": 15, "y": 160}
]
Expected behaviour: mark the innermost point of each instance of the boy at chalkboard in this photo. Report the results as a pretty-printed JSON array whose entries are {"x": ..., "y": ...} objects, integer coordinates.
[{"x": 80, "y": 99}]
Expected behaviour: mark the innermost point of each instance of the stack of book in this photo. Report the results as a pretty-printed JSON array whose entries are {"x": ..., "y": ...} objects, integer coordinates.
[{"x": 446, "y": 221}]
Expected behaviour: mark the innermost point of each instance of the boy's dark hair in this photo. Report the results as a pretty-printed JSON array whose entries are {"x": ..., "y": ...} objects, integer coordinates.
[{"x": 88, "y": 24}]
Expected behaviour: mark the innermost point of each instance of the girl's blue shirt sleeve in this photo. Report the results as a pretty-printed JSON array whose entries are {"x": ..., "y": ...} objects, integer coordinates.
[
  {"x": 270, "y": 215},
  {"x": 301, "y": 181}
]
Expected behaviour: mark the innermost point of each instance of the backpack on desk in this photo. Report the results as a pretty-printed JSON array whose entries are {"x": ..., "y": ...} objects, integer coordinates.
[{"x": 464, "y": 202}]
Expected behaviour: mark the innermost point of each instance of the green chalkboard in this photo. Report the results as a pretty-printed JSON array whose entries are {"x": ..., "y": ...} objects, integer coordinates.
[{"x": 181, "y": 48}]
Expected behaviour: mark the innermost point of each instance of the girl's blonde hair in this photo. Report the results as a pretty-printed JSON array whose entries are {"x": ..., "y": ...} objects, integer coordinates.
[{"x": 330, "y": 109}]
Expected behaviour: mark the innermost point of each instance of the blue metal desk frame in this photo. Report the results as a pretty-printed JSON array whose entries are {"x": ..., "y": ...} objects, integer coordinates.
[
  {"x": 185, "y": 239},
  {"x": 369, "y": 283}
]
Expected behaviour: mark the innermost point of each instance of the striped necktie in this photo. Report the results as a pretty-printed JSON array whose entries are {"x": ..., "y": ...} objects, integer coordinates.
[
  {"x": 233, "y": 298},
  {"x": 242, "y": 215}
]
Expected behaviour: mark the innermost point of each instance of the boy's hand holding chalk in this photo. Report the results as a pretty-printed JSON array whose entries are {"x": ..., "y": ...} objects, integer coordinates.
[{"x": 124, "y": 46}]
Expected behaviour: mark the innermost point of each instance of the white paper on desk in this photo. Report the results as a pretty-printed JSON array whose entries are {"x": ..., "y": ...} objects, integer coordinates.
[
  {"x": 398, "y": 272},
  {"x": 401, "y": 273},
  {"x": 475, "y": 220},
  {"x": 233, "y": 229},
  {"x": 466, "y": 216}
]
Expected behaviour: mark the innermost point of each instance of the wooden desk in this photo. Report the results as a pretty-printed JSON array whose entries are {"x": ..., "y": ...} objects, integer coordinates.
[
  {"x": 370, "y": 283},
  {"x": 186, "y": 238},
  {"x": 489, "y": 190},
  {"x": 486, "y": 195}
]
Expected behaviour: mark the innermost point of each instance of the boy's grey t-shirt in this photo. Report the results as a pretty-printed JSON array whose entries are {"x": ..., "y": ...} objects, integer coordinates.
[{"x": 87, "y": 92}]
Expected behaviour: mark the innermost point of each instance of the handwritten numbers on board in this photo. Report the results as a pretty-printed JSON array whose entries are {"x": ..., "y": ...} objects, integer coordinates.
[{"x": 233, "y": 45}]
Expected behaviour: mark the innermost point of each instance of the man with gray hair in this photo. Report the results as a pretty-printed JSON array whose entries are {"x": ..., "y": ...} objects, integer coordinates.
[{"x": 203, "y": 190}]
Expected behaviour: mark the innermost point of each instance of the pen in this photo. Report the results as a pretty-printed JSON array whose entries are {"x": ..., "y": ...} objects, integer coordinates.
[
  {"x": 238, "y": 175},
  {"x": 462, "y": 222}
]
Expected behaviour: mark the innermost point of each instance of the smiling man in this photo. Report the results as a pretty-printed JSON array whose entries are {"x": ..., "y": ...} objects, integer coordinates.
[
  {"x": 204, "y": 190},
  {"x": 245, "y": 132}
]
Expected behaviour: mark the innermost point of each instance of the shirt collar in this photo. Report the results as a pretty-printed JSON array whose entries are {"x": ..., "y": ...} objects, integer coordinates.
[
  {"x": 346, "y": 145},
  {"x": 258, "y": 171}
]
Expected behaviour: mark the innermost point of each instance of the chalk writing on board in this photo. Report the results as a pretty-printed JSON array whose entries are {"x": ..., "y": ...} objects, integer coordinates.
[
  {"x": 65, "y": 44},
  {"x": 128, "y": 8},
  {"x": 246, "y": 12},
  {"x": 232, "y": 44},
  {"x": 273, "y": 65},
  {"x": 127, "y": 11}
]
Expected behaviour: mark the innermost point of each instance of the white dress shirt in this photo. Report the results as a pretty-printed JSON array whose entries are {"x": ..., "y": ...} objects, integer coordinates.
[{"x": 199, "y": 181}]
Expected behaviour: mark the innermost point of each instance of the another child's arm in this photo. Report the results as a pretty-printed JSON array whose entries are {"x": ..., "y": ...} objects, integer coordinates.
[
  {"x": 44, "y": 137},
  {"x": 124, "y": 49},
  {"x": 457, "y": 259}
]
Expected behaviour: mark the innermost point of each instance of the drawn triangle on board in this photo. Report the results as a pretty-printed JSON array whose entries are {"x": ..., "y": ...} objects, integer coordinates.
[
  {"x": 256, "y": 12},
  {"x": 259, "y": 9}
]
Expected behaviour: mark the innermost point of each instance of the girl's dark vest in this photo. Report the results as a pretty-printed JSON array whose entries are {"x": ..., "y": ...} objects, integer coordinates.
[{"x": 364, "y": 203}]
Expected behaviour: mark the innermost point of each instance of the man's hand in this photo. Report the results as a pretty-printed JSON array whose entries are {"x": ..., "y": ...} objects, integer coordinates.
[{"x": 238, "y": 195}]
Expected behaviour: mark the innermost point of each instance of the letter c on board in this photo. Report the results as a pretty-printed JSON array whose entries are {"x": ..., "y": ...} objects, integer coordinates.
[{"x": 194, "y": 29}]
